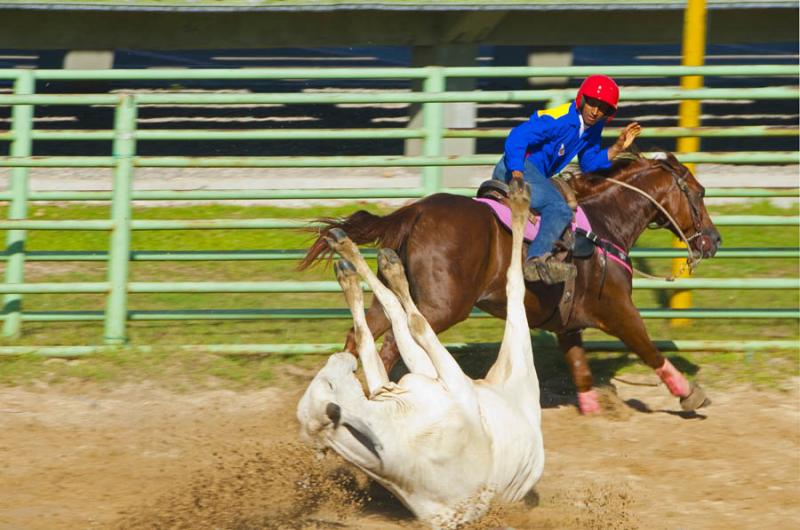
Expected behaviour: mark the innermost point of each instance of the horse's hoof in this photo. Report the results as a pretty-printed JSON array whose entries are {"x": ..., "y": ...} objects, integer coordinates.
[
  {"x": 344, "y": 269},
  {"x": 696, "y": 398},
  {"x": 589, "y": 402}
]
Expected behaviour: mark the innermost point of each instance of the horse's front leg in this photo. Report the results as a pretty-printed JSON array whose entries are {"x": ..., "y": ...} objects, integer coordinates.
[
  {"x": 628, "y": 325},
  {"x": 571, "y": 344}
]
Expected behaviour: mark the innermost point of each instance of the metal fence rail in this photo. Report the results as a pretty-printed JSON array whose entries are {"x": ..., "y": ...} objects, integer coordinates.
[
  {"x": 299, "y": 349},
  {"x": 124, "y": 161}
]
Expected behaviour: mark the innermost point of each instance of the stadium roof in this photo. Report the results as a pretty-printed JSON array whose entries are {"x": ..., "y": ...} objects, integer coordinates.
[
  {"x": 210, "y": 24},
  {"x": 342, "y": 5}
]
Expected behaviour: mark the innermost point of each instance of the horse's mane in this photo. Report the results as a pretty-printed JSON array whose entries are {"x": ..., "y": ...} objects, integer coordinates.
[
  {"x": 623, "y": 167},
  {"x": 600, "y": 197}
]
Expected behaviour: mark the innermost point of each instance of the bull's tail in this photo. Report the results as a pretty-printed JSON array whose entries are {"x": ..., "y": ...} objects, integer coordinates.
[{"x": 389, "y": 231}]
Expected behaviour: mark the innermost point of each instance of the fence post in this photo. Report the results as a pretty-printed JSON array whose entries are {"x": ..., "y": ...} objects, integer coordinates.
[
  {"x": 694, "y": 41},
  {"x": 124, "y": 150},
  {"x": 433, "y": 122},
  {"x": 21, "y": 146}
]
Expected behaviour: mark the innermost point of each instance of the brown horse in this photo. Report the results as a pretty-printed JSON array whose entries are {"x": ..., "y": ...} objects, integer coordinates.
[{"x": 455, "y": 254}]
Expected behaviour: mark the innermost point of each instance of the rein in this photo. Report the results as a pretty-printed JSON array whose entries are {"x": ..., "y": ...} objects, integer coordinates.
[{"x": 691, "y": 261}]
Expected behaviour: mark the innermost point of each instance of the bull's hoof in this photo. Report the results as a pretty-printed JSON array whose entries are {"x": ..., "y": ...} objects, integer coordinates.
[
  {"x": 338, "y": 240},
  {"x": 696, "y": 398},
  {"x": 391, "y": 268},
  {"x": 336, "y": 236},
  {"x": 519, "y": 191},
  {"x": 388, "y": 258},
  {"x": 344, "y": 269}
]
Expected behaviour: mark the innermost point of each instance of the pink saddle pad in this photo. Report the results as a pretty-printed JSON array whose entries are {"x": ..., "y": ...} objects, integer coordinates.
[{"x": 503, "y": 214}]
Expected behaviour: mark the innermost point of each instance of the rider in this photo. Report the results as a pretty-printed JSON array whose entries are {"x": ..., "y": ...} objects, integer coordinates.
[{"x": 541, "y": 147}]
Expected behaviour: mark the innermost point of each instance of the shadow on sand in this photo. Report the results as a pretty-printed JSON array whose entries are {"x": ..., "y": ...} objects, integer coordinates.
[{"x": 557, "y": 388}]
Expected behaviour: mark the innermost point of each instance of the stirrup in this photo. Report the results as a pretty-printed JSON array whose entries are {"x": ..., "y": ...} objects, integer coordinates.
[
  {"x": 559, "y": 271},
  {"x": 537, "y": 269},
  {"x": 530, "y": 270},
  {"x": 548, "y": 270}
]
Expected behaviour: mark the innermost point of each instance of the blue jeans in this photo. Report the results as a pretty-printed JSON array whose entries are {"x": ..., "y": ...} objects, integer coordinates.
[{"x": 545, "y": 199}]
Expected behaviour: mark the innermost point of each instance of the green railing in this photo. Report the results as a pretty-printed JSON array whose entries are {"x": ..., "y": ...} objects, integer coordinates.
[{"x": 124, "y": 160}]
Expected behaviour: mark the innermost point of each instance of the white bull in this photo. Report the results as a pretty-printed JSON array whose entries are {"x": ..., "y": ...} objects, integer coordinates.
[{"x": 444, "y": 444}]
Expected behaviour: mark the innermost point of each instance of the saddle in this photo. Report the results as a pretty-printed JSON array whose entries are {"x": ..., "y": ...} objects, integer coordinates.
[
  {"x": 496, "y": 191},
  {"x": 568, "y": 245},
  {"x": 576, "y": 242}
]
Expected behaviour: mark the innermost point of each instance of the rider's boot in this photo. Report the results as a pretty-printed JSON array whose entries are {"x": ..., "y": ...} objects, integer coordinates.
[{"x": 550, "y": 271}]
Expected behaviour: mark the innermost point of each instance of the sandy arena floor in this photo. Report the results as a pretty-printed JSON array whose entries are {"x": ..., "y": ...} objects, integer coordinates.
[{"x": 140, "y": 457}]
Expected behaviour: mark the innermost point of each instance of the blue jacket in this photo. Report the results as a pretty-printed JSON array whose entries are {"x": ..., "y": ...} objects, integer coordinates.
[{"x": 550, "y": 139}]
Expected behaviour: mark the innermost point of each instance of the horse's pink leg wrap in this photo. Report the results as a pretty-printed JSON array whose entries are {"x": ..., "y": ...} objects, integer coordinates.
[
  {"x": 675, "y": 381},
  {"x": 588, "y": 402}
]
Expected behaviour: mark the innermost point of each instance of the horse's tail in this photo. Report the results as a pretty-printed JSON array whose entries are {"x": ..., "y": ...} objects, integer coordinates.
[{"x": 362, "y": 227}]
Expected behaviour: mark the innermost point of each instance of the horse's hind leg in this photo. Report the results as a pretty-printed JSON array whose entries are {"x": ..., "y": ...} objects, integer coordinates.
[
  {"x": 571, "y": 343},
  {"x": 630, "y": 328}
]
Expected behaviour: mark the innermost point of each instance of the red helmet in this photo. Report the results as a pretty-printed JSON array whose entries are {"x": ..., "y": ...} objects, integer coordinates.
[{"x": 599, "y": 87}]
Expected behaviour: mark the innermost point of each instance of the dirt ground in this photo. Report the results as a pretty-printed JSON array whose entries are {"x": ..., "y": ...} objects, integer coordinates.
[{"x": 137, "y": 456}]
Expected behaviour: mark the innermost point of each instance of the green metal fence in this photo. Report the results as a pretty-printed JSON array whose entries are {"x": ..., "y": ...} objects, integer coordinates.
[{"x": 124, "y": 161}]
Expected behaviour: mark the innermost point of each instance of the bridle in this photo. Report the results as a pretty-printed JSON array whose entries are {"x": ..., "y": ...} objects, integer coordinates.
[
  {"x": 692, "y": 259},
  {"x": 680, "y": 181}
]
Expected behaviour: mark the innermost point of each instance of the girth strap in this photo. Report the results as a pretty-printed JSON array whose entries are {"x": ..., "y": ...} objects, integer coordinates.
[{"x": 609, "y": 248}]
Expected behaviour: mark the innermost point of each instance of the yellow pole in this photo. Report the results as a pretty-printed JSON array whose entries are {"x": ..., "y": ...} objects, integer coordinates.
[{"x": 694, "y": 43}]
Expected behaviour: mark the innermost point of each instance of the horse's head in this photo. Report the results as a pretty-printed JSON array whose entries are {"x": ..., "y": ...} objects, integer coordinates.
[
  {"x": 683, "y": 200},
  {"x": 662, "y": 180}
]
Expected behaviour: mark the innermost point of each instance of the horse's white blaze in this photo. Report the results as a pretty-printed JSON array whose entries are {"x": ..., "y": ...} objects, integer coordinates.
[{"x": 444, "y": 444}]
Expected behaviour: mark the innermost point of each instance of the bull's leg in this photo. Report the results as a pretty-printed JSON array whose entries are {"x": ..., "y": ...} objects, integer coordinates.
[
  {"x": 439, "y": 315},
  {"x": 630, "y": 328},
  {"x": 402, "y": 345},
  {"x": 446, "y": 366},
  {"x": 441, "y": 312},
  {"x": 413, "y": 355},
  {"x": 378, "y": 325},
  {"x": 390, "y": 355},
  {"x": 572, "y": 346},
  {"x": 374, "y": 372},
  {"x": 515, "y": 358}
]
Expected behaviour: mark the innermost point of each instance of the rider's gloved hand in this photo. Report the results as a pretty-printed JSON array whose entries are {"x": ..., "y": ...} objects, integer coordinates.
[
  {"x": 628, "y": 135},
  {"x": 626, "y": 138}
]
